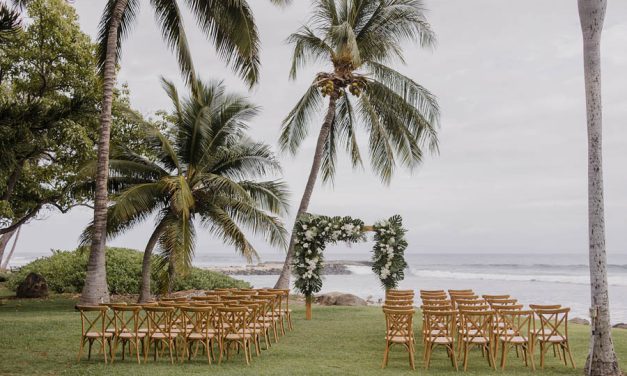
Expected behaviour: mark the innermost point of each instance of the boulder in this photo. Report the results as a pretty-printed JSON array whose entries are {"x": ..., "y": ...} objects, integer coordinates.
[
  {"x": 622, "y": 325},
  {"x": 579, "y": 320},
  {"x": 340, "y": 299},
  {"x": 33, "y": 286}
]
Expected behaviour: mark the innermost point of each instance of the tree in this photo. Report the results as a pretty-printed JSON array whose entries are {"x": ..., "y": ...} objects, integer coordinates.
[
  {"x": 50, "y": 93},
  {"x": 206, "y": 172},
  {"x": 358, "y": 37},
  {"x": 229, "y": 25},
  {"x": 9, "y": 23},
  {"x": 602, "y": 359}
]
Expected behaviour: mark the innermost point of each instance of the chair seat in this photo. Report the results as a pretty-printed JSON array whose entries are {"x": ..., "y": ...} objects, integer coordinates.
[
  {"x": 196, "y": 335},
  {"x": 98, "y": 335},
  {"x": 479, "y": 340},
  {"x": 552, "y": 339},
  {"x": 398, "y": 339},
  {"x": 440, "y": 340},
  {"x": 163, "y": 335},
  {"x": 516, "y": 339},
  {"x": 128, "y": 335},
  {"x": 238, "y": 336}
]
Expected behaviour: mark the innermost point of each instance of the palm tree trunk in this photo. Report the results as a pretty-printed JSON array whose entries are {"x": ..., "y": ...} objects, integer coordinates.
[
  {"x": 96, "y": 289},
  {"x": 5, "y": 262},
  {"x": 4, "y": 241},
  {"x": 144, "y": 290},
  {"x": 602, "y": 359},
  {"x": 284, "y": 279}
]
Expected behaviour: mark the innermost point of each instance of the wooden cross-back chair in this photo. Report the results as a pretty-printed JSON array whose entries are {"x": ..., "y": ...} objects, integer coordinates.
[
  {"x": 535, "y": 325},
  {"x": 439, "y": 329},
  {"x": 287, "y": 310},
  {"x": 259, "y": 323},
  {"x": 553, "y": 332},
  {"x": 234, "y": 329},
  {"x": 160, "y": 331},
  {"x": 400, "y": 301},
  {"x": 277, "y": 316},
  {"x": 198, "y": 329},
  {"x": 515, "y": 333},
  {"x": 399, "y": 331},
  {"x": 476, "y": 330},
  {"x": 127, "y": 324},
  {"x": 267, "y": 317},
  {"x": 94, "y": 321}
]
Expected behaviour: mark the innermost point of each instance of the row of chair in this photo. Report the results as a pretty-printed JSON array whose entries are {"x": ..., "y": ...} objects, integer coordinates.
[
  {"x": 461, "y": 320},
  {"x": 228, "y": 318}
]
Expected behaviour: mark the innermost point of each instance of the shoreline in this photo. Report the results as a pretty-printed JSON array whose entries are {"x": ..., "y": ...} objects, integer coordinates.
[{"x": 333, "y": 267}]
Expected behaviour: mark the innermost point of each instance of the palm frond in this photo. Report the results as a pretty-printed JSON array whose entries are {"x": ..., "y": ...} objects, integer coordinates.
[
  {"x": 245, "y": 160},
  {"x": 308, "y": 48},
  {"x": 169, "y": 19},
  {"x": 296, "y": 125},
  {"x": 381, "y": 152},
  {"x": 272, "y": 196},
  {"x": 177, "y": 244},
  {"x": 230, "y": 26},
  {"x": 258, "y": 222},
  {"x": 9, "y": 23},
  {"x": 222, "y": 225}
]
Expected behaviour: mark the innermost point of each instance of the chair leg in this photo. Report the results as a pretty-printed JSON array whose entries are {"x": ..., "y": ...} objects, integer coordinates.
[
  {"x": 385, "y": 355},
  {"x": 570, "y": 355},
  {"x": 503, "y": 355},
  {"x": 542, "y": 352},
  {"x": 410, "y": 349},
  {"x": 80, "y": 350},
  {"x": 428, "y": 350},
  {"x": 466, "y": 348},
  {"x": 454, "y": 358}
]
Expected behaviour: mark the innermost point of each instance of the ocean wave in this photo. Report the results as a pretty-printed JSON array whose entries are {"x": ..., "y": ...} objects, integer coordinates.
[
  {"x": 359, "y": 269},
  {"x": 554, "y": 278}
]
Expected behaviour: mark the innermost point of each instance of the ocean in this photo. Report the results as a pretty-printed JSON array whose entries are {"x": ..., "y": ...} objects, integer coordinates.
[{"x": 558, "y": 278}]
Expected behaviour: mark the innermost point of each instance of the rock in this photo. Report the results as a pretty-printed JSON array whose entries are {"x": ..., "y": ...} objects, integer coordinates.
[
  {"x": 579, "y": 320},
  {"x": 621, "y": 325},
  {"x": 340, "y": 299},
  {"x": 33, "y": 286}
]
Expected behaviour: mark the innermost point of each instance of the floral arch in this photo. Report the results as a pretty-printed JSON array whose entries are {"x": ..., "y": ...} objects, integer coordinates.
[{"x": 314, "y": 232}]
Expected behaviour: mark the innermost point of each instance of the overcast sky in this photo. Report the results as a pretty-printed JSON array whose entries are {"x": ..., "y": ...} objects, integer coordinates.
[{"x": 511, "y": 173}]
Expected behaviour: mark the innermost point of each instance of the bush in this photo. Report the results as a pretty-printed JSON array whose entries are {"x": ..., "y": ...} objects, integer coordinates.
[{"x": 64, "y": 272}]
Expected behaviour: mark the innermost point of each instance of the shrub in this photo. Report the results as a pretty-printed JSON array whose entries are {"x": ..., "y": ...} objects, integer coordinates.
[{"x": 64, "y": 272}]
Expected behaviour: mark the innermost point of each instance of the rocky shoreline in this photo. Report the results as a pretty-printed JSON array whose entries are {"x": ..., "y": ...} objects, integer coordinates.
[{"x": 335, "y": 267}]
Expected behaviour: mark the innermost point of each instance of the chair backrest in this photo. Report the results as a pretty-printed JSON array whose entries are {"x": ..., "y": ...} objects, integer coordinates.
[
  {"x": 478, "y": 324},
  {"x": 443, "y": 308},
  {"x": 160, "y": 320},
  {"x": 507, "y": 307},
  {"x": 399, "y": 322},
  {"x": 469, "y": 302},
  {"x": 126, "y": 318},
  {"x": 490, "y": 297},
  {"x": 206, "y": 298},
  {"x": 553, "y": 322},
  {"x": 217, "y": 293},
  {"x": 432, "y": 292},
  {"x": 439, "y": 323},
  {"x": 93, "y": 319},
  {"x": 234, "y": 320},
  {"x": 197, "y": 319},
  {"x": 467, "y": 291},
  {"x": 502, "y": 302},
  {"x": 400, "y": 293},
  {"x": 545, "y": 306},
  {"x": 516, "y": 323},
  {"x": 436, "y": 303}
]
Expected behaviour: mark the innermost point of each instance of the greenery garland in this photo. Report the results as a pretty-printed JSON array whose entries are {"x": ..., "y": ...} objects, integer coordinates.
[
  {"x": 388, "y": 258},
  {"x": 314, "y": 232}
]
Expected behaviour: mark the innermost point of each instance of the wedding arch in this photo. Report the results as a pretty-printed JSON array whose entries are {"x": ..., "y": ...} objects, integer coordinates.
[{"x": 314, "y": 232}]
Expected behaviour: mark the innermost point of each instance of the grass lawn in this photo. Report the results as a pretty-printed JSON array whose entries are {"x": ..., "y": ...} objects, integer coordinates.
[{"x": 41, "y": 337}]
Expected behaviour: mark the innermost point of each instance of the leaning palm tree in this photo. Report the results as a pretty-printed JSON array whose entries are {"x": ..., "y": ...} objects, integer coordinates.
[
  {"x": 356, "y": 38},
  {"x": 205, "y": 171},
  {"x": 229, "y": 25},
  {"x": 602, "y": 359}
]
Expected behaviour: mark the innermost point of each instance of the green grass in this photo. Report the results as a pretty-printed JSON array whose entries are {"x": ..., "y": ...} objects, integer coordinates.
[{"x": 41, "y": 337}]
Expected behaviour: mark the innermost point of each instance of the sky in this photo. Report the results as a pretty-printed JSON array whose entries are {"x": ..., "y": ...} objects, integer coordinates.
[{"x": 511, "y": 175}]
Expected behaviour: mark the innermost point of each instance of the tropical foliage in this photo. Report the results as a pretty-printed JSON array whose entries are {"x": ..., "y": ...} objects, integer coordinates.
[
  {"x": 206, "y": 172},
  {"x": 356, "y": 39},
  {"x": 64, "y": 272},
  {"x": 388, "y": 258},
  {"x": 313, "y": 233}
]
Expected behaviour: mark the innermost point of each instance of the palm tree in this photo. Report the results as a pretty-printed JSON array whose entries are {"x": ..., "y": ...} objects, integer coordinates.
[
  {"x": 358, "y": 38},
  {"x": 602, "y": 358},
  {"x": 229, "y": 25},
  {"x": 205, "y": 172},
  {"x": 9, "y": 22}
]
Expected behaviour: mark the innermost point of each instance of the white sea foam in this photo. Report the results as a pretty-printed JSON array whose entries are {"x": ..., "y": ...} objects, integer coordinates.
[
  {"x": 555, "y": 278},
  {"x": 359, "y": 269}
]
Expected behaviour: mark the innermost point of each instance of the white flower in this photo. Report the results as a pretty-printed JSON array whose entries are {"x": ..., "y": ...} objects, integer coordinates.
[
  {"x": 305, "y": 245},
  {"x": 309, "y": 252},
  {"x": 309, "y": 234},
  {"x": 304, "y": 227}
]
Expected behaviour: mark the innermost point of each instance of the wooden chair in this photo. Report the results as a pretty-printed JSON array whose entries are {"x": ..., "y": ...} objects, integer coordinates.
[
  {"x": 287, "y": 311},
  {"x": 439, "y": 330},
  {"x": 399, "y": 331},
  {"x": 516, "y": 332},
  {"x": 553, "y": 332},
  {"x": 94, "y": 322},
  {"x": 234, "y": 329},
  {"x": 198, "y": 329},
  {"x": 502, "y": 302},
  {"x": 160, "y": 324},
  {"x": 476, "y": 330},
  {"x": 269, "y": 317},
  {"x": 264, "y": 311},
  {"x": 536, "y": 330},
  {"x": 399, "y": 293},
  {"x": 277, "y": 314},
  {"x": 126, "y": 324}
]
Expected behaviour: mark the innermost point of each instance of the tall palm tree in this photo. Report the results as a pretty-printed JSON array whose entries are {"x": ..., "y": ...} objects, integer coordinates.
[
  {"x": 356, "y": 38},
  {"x": 9, "y": 22},
  {"x": 602, "y": 358},
  {"x": 229, "y": 25},
  {"x": 206, "y": 171}
]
